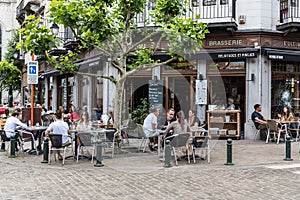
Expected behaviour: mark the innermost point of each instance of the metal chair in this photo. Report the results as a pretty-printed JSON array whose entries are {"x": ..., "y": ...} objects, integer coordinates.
[
  {"x": 258, "y": 131},
  {"x": 85, "y": 141},
  {"x": 27, "y": 136},
  {"x": 274, "y": 129},
  {"x": 177, "y": 142},
  {"x": 110, "y": 139},
  {"x": 56, "y": 145},
  {"x": 144, "y": 138},
  {"x": 201, "y": 143}
]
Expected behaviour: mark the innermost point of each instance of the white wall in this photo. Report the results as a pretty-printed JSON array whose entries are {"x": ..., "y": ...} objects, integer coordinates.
[{"x": 260, "y": 14}]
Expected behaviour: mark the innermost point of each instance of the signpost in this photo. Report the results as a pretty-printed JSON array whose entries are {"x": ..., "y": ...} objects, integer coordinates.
[{"x": 32, "y": 78}]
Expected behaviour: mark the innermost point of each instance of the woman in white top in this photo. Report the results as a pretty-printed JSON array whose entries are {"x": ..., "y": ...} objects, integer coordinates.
[{"x": 84, "y": 122}]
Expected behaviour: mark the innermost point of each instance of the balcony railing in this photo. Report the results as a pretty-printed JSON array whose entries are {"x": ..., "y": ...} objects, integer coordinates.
[
  {"x": 289, "y": 11},
  {"x": 210, "y": 11}
]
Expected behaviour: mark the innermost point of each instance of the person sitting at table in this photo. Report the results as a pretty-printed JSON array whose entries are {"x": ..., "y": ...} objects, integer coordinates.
[
  {"x": 178, "y": 126},
  {"x": 170, "y": 117},
  {"x": 230, "y": 105},
  {"x": 193, "y": 120},
  {"x": 111, "y": 117},
  {"x": 84, "y": 122},
  {"x": 11, "y": 125},
  {"x": 286, "y": 117},
  {"x": 258, "y": 119},
  {"x": 59, "y": 127},
  {"x": 74, "y": 115},
  {"x": 150, "y": 127}
]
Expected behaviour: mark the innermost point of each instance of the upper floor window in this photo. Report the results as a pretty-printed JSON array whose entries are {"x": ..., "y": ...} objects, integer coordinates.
[{"x": 294, "y": 3}]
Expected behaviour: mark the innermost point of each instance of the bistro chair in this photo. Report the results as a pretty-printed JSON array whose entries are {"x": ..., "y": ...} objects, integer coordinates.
[
  {"x": 85, "y": 141},
  {"x": 259, "y": 131},
  {"x": 144, "y": 138},
  {"x": 178, "y": 141},
  {"x": 295, "y": 128},
  {"x": 56, "y": 145},
  {"x": 110, "y": 140},
  {"x": 201, "y": 143},
  {"x": 276, "y": 130},
  {"x": 27, "y": 136}
]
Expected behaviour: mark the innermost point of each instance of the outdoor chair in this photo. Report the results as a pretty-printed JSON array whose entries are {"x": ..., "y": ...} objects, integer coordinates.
[
  {"x": 110, "y": 140},
  {"x": 56, "y": 145},
  {"x": 85, "y": 141},
  {"x": 144, "y": 139},
  {"x": 201, "y": 143},
  {"x": 179, "y": 141},
  {"x": 276, "y": 130},
  {"x": 295, "y": 128},
  {"x": 26, "y": 136},
  {"x": 259, "y": 131}
]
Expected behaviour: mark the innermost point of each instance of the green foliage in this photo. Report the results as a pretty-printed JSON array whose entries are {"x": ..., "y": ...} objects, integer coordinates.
[
  {"x": 10, "y": 75},
  {"x": 11, "y": 47},
  {"x": 139, "y": 114},
  {"x": 38, "y": 38}
]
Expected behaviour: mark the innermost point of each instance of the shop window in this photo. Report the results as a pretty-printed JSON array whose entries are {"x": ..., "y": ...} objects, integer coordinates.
[
  {"x": 235, "y": 65},
  {"x": 294, "y": 3}
]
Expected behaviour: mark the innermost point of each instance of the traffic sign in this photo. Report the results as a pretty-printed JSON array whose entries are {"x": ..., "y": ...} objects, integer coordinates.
[{"x": 32, "y": 72}]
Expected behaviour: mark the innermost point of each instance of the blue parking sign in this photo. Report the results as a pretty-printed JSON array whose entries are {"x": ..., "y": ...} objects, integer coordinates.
[{"x": 32, "y": 69}]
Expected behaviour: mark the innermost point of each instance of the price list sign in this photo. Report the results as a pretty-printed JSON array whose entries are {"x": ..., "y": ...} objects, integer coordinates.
[
  {"x": 201, "y": 92},
  {"x": 155, "y": 93}
]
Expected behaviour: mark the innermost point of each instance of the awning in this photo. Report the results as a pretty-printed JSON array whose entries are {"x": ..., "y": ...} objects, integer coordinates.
[{"x": 282, "y": 55}]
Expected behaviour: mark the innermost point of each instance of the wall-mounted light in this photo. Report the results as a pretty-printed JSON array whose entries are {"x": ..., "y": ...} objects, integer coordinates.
[
  {"x": 54, "y": 29},
  {"x": 16, "y": 54},
  {"x": 251, "y": 77},
  {"x": 201, "y": 78}
]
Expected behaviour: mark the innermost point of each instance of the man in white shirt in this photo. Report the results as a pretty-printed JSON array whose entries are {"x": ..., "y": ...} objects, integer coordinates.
[
  {"x": 150, "y": 126},
  {"x": 12, "y": 123},
  {"x": 59, "y": 127}
]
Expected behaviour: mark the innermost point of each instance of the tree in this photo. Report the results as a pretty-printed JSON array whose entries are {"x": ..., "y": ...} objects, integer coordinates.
[{"x": 109, "y": 26}]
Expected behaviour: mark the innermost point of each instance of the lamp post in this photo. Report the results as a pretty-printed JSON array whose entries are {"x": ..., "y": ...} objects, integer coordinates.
[{"x": 54, "y": 29}]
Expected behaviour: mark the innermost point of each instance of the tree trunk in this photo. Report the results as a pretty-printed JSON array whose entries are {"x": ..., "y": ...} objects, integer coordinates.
[{"x": 118, "y": 106}]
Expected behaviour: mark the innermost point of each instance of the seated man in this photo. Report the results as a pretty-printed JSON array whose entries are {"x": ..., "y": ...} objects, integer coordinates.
[
  {"x": 59, "y": 127},
  {"x": 259, "y": 121},
  {"x": 150, "y": 126},
  {"x": 11, "y": 125}
]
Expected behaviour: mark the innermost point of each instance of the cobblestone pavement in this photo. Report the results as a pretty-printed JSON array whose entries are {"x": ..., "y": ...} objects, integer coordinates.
[{"x": 259, "y": 173}]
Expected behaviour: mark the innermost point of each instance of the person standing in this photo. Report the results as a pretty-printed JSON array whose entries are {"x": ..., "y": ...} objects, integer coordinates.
[{"x": 59, "y": 127}]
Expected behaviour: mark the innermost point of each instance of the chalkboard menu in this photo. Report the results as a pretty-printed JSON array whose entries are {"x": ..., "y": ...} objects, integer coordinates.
[{"x": 155, "y": 93}]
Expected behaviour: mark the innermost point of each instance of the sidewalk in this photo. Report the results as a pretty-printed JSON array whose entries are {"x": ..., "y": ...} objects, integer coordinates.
[{"x": 245, "y": 153}]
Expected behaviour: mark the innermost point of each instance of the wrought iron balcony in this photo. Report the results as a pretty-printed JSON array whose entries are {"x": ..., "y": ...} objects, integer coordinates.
[
  {"x": 289, "y": 16},
  {"x": 217, "y": 13},
  {"x": 26, "y": 7}
]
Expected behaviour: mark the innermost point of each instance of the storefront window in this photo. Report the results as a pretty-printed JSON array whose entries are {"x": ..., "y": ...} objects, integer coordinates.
[
  {"x": 285, "y": 87},
  {"x": 235, "y": 65}
]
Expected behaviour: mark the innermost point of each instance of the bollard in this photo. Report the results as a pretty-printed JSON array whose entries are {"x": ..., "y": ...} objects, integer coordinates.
[
  {"x": 46, "y": 150},
  {"x": 167, "y": 154},
  {"x": 229, "y": 152},
  {"x": 288, "y": 149},
  {"x": 12, "y": 147},
  {"x": 2, "y": 146},
  {"x": 99, "y": 157}
]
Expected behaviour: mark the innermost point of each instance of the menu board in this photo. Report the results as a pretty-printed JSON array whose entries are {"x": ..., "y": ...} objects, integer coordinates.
[
  {"x": 201, "y": 92},
  {"x": 155, "y": 93}
]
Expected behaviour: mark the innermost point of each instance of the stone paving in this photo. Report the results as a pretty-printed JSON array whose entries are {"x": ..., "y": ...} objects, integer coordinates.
[{"x": 137, "y": 175}]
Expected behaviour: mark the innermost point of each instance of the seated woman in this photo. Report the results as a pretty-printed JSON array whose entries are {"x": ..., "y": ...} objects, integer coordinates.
[
  {"x": 193, "y": 119},
  {"x": 287, "y": 117},
  {"x": 74, "y": 115},
  {"x": 178, "y": 126},
  {"x": 84, "y": 123}
]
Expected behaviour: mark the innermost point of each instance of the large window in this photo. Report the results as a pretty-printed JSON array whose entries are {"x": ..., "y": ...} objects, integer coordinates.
[{"x": 285, "y": 87}]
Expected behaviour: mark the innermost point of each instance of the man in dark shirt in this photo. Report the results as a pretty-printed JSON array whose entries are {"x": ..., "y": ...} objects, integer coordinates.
[
  {"x": 169, "y": 119},
  {"x": 259, "y": 121}
]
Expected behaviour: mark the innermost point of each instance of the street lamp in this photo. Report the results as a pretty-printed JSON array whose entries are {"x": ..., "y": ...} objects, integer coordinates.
[
  {"x": 16, "y": 54},
  {"x": 54, "y": 29}
]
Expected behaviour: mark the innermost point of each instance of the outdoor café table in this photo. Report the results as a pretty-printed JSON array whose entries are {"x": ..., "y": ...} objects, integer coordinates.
[
  {"x": 101, "y": 125},
  {"x": 37, "y": 132}
]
